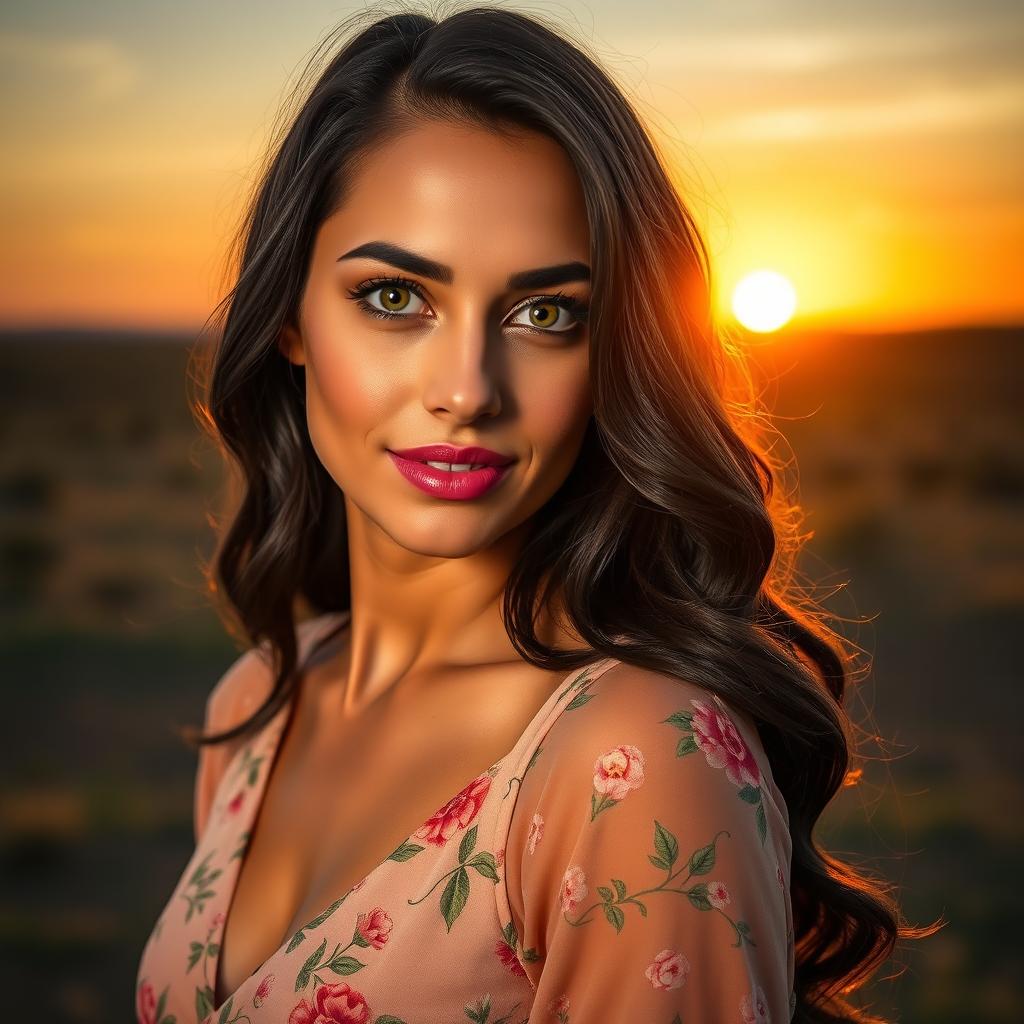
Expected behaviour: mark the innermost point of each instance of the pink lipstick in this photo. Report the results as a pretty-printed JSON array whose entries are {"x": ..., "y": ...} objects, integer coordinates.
[{"x": 463, "y": 473}]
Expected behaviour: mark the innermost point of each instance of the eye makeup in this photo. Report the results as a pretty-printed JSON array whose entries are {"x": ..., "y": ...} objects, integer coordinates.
[{"x": 577, "y": 309}]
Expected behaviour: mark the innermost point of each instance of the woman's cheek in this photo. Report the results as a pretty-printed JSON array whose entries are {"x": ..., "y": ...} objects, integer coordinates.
[
  {"x": 345, "y": 397},
  {"x": 555, "y": 406}
]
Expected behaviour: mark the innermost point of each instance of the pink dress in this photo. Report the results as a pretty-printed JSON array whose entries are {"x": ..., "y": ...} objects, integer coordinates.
[{"x": 627, "y": 862}]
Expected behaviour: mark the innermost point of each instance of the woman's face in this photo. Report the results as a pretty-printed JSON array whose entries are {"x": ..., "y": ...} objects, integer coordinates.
[{"x": 468, "y": 354}]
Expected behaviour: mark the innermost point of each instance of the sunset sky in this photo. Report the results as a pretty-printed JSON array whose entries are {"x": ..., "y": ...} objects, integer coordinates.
[{"x": 872, "y": 153}]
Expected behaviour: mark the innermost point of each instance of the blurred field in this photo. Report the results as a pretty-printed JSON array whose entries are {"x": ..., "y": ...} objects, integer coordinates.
[{"x": 910, "y": 451}]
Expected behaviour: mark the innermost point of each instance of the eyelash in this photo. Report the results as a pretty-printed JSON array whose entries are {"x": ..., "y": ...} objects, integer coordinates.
[{"x": 578, "y": 310}]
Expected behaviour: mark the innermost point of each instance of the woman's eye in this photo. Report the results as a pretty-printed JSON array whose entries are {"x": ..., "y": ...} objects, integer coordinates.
[
  {"x": 400, "y": 299},
  {"x": 392, "y": 300},
  {"x": 551, "y": 316}
]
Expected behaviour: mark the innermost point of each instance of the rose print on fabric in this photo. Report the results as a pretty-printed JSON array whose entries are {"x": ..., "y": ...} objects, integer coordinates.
[
  {"x": 439, "y": 828},
  {"x": 574, "y": 889},
  {"x": 668, "y": 970},
  {"x": 456, "y": 814},
  {"x": 714, "y": 733},
  {"x": 536, "y": 832},
  {"x": 372, "y": 930},
  {"x": 263, "y": 991},
  {"x": 374, "y": 927},
  {"x": 718, "y": 895},
  {"x": 509, "y": 944},
  {"x": 149, "y": 1009},
  {"x": 337, "y": 1003},
  {"x": 616, "y": 774},
  {"x": 559, "y": 1009},
  {"x": 506, "y": 953},
  {"x": 706, "y": 896},
  {"x": 248, "y": 769},
  {"x": 754, "y": 1008}
]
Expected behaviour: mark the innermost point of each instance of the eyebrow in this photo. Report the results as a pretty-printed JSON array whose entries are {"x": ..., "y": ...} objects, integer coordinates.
[{"x": 414, "y": 263}]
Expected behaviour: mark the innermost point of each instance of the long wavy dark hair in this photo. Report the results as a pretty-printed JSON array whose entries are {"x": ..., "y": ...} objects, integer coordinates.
[{"x": 672, "y": 542}]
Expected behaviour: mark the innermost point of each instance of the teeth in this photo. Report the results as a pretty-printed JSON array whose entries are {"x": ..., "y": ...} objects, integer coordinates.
[{"x": 456, "y": 467}]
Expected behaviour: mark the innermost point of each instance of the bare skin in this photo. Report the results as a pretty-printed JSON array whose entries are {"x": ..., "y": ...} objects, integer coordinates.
[{"x": 423, "y": 690}]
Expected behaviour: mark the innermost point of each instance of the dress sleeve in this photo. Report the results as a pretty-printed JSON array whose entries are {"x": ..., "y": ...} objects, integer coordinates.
[
  {"x": 212, "y": 762},
  {"x": 647, "y": 862},
  {"x": 233, "y": 698}
]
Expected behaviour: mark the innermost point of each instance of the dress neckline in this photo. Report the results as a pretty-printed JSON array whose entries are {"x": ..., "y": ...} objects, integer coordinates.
[{"x": 270, "y": 743}]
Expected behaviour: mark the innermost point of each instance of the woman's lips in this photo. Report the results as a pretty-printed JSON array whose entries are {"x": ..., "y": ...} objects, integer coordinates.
[{"x": 457, "y": 485}]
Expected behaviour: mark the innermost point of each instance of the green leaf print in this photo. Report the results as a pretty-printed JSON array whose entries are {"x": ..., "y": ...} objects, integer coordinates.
[
  {"x": 302, "y": 978},
  {"x": 335, "y": 962},
  {"x": 195, "y": 952},
  {"x": 200, "y": 881},
  {"x": 578, "y": 701},
  {"x": 456, "y": 892},
  {"x": 243, "y": 843},
  {"x": 204, "y": 1002},
  {"x": 666, "y": 846},
  {"x": 404, "y": 851},
  {"x": 481, "y": 1013},
  {"x": 485, "y": 863},
  {"x": 250, "y": 765},
  {"x": 161, "y": 1005},
  {"x": 577, "y": 683},
  {"x": 300, "y": 936},
  {"x": 454, "y": 897},
  {"x": 225, "y": 1014},
  {"x": 600, "y": 803},
  {"x": 468, "y": 842},
  {"x": 703, "y": 860},
  {"x": 345, "y": 965},
  {"x": 687, "y": 745},
  {"x": 512, "y": 940}
]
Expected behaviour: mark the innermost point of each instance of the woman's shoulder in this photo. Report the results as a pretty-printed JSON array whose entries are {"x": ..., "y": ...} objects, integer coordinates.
[
  {"x": 239, "y": 691},
  {"x": 248, "y": 681},
  {"x": 673, "y": 734},
  {"x": 648, "y": 702},
  {"x": 647, "y": 805}
]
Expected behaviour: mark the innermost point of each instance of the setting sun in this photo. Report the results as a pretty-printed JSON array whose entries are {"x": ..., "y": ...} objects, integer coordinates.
[{"x": 763, "y": 301}]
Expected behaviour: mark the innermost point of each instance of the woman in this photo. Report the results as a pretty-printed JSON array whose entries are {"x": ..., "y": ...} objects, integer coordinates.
[{"x": 554, "y": 743}]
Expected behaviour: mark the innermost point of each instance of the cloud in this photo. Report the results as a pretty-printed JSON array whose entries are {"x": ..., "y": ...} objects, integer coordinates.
[
  {"x": 88, "y": 68},
  {"x": 762, "y": 49},
  {"x": 925, "y": 110}
]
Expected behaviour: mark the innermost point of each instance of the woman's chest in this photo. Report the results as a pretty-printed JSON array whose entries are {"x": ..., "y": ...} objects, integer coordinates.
[{"x": 372, "y": 802}]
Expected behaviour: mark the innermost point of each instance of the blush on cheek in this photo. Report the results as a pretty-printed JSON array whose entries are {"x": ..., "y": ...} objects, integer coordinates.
[
  {"x": 556, "y": 412},
  {"x": 342, "y": 410}
]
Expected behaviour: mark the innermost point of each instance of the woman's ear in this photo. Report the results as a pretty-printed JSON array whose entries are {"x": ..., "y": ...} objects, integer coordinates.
[{"x": 289, "y": 342}]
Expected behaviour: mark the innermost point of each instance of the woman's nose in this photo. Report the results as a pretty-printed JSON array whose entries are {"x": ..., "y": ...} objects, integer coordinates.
[{"x": 462, "y": 375}]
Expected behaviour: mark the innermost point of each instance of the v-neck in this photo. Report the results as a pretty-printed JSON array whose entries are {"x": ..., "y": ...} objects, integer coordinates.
[{"x": 270, "y": 744}]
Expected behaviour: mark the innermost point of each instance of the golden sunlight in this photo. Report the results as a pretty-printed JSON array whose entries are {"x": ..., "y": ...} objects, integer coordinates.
[{"x": 763, "y": 301}]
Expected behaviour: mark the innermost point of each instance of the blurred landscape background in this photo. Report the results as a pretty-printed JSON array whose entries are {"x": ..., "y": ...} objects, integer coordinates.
[
  {"x": 870, "y": 154},
  {"x": 911, "y": 459}
]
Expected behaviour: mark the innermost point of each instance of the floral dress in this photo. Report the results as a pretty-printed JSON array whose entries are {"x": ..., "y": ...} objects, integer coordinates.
[{"x": 627, "y": 862}]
